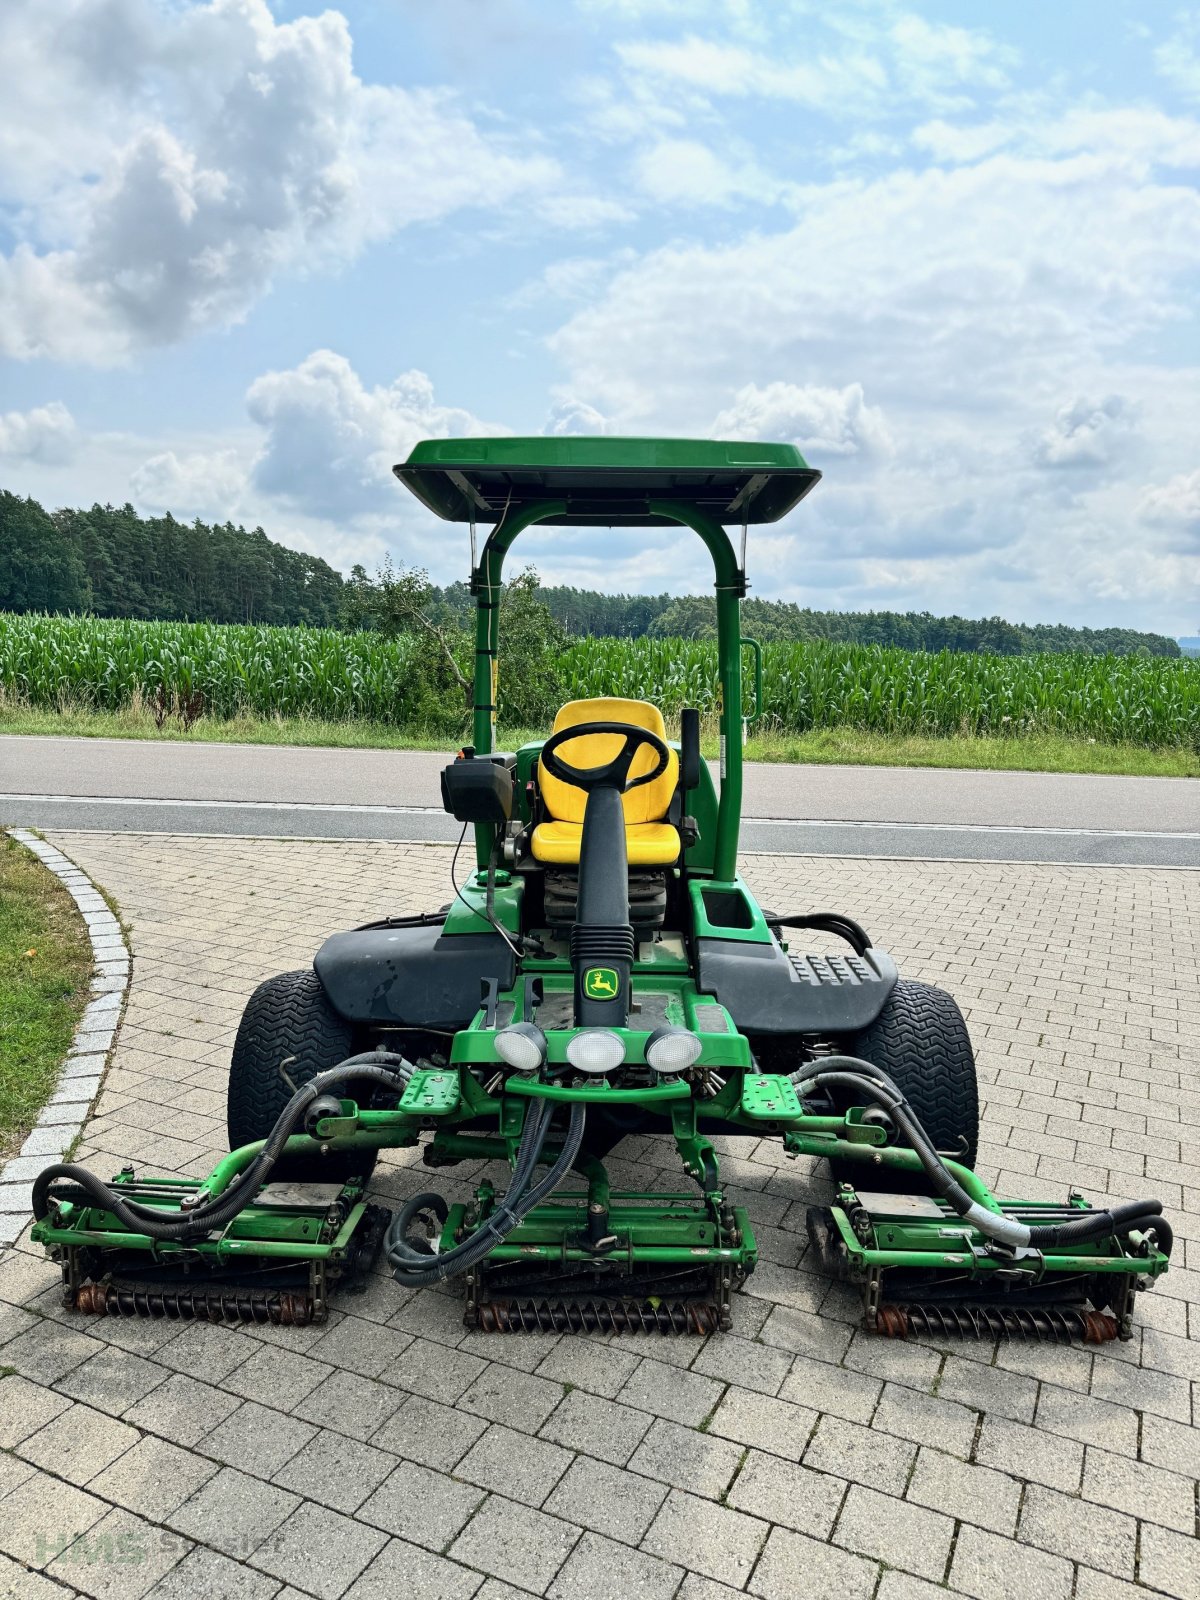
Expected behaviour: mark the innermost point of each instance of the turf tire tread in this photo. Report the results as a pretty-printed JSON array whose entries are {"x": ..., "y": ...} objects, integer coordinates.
[{"x": 287, "y": 1015}]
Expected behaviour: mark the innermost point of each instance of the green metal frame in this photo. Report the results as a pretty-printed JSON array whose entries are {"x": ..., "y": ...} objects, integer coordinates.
[
  {"x": 487, "y": 586},
  {"x": 677, "y": 1229}
]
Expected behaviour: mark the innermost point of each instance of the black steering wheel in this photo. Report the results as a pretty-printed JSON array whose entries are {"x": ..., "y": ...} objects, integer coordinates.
[{"x": 615, "y": 773}]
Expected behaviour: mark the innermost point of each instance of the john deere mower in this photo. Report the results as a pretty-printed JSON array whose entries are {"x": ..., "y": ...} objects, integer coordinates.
[{"x": 603, "y": 970}]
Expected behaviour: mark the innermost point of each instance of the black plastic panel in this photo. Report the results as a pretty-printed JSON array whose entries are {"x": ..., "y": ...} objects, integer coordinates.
[
  {"x": 477, "y": 789},
  {"x": 766, "y": 991},
  {"x": 418, "y": 976}
]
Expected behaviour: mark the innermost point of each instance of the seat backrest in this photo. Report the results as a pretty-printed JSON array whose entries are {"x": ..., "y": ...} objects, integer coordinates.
[{"x": 649, "y": 803}]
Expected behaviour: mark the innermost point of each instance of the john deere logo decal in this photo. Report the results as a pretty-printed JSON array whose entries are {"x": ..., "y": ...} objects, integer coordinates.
[{"x": 601, "y": 983}]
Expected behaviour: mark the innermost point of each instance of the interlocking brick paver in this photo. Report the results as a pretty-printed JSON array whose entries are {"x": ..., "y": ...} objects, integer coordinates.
[
  {"x": 824, "y": 1387},
  {"x": 319, "y": 1550},
  {"x": 404, "y": 1569},
  {"x": 112, "y": 1380},
  {"x": 607, "y": 1499},
  {"x": 78, "y": 1444},
  {"x": 154, "y": 1478},
  {"x": 256, "y": 1439},
  {"x": 207, "y": 1575},
  {"x": 597, "y": 1426},
  {"x": 350, "y": 1404},
  {"x": 43, "y": 1517},
  {"x": 121, "y": 1558},
  {"x": 988, "y": 1567},
  {"x": 233, "y": 1512},
  {"x": 585, "y": 1364},
  {"x": 909, "y": 1414},
  {"x": 429, "y": 1432},
  {"x": 793, "y": 1564},
  {"x": 840, "y": 1458},
  {"x": 667, "y": 1391},
  {"x": 24, "y": 1408},
  {"x": 862, "y": 1455},
  {"x": 1078, "y": 1530},
  {"x": 1168, "y": 1562},
  {"x": 513, "y": 1464},
  {"x": 516, "y": 1398},
  {"x": 764, "y": 1423},
  {"x": 687, "y": 1459},
  {"x": 976, "y": 1494},
  {"x": 336, "y": 1470},
  {"x": 895, "y": 1531},
  {"x": 1026, "y": 1453},
  {"x": 715, "y": 1540},
  {"x": 598, "y": 1569},
  {"x": 421, "y": 1506},
  {"x": 183, "y": 1409},
  {"x": 785, "y": 1492},
  {"x": 515, "y": 1543}
]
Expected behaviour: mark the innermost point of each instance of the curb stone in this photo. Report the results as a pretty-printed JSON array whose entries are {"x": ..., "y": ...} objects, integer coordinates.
[{"x": 68, "y": 1107}]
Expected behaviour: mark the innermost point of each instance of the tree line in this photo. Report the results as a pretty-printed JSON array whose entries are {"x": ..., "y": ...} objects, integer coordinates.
[{"x": 113, "y": 563}]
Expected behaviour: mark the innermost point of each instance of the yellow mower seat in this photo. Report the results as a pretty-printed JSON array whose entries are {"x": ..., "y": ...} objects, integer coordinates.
[{"x": 650, "y": 841}]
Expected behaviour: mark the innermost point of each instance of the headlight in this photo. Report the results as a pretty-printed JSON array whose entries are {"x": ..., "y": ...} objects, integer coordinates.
[
  {"x": 672, "y": 1050},
  {"x": 523, "y": 1046},
  {"x": 595, "y": 1050}
]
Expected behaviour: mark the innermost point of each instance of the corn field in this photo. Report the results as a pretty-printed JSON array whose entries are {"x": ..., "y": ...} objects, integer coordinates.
[{"x": 60, "y": 662}]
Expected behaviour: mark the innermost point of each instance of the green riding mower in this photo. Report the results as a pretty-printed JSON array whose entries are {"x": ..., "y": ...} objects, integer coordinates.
[{"x": 603, "y": 971}]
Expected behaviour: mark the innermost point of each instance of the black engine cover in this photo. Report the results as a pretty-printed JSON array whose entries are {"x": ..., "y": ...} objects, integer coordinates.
[
  {"x": 767, "y": 990},
  {"x": 415, "y": 975}
]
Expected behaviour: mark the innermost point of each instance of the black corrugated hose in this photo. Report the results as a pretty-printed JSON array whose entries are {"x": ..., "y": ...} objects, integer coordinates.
[
  {"x": 377, "y": 1066},
  {"x": 866, "y": 1079}
]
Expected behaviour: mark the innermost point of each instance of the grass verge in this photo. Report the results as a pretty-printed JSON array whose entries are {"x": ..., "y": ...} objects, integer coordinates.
[
  {"x": 826, "y": 746},
  {"x": 45, "y": 965}
]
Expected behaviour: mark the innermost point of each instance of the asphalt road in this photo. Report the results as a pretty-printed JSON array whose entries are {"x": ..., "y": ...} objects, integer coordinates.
[{"x": 282, "y": 791}]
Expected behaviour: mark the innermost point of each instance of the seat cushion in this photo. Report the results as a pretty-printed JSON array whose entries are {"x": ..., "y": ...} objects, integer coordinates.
[
  {"x": 648, "y": 844},
  {"x": 651, "y": 802}
]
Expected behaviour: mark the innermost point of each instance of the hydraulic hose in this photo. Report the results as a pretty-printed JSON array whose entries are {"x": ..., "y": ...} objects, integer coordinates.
[
  {"x": 871, "y": 1082},
  {"x": 411, "y": 1262},
  {"x": 376, "y": 1066}
]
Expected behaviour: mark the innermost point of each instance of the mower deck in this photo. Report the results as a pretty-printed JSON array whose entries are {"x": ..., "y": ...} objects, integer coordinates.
[{"x": 276, "y": 1262}]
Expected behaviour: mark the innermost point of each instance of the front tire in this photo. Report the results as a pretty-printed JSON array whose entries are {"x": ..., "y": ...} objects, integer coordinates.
[
  {"x": 921, "y": 1040},
  {"x": 288, "y": 1016}
]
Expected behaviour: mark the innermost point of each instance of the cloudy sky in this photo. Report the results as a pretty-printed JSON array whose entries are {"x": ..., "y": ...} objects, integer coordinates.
[{"x": 251, "y": 252}]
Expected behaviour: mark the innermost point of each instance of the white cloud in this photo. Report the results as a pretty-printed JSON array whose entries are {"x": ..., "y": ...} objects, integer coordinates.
[
  {"x": 822, "y": 422},
  {"x": 329, "y": 442},
  {"x": 954, "y": 143},
  {"x": 197, "y": 484},
  {"x": 935, "y": 61},
  {"x": 687, "y": 172},
  {"x": 1085, "y": 433},
  {"x": 1178, "y": 59},
  {"x": 716, "y": 67},
  {"x": 571, "y": 417},
  {"x": 1174, "y": 505},
  {"x": 169, "y": 162},
  {"x": 47, "y": 435},
  {"x": 949, "y": 288},
  {"x": 861, "y": 71}
]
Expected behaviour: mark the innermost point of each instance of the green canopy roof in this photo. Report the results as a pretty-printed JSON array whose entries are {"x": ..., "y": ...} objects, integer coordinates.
[{"x": 605, "y": 481}]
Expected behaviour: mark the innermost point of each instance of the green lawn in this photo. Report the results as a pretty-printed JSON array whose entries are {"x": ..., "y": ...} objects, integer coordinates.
[
  {"x": 851, "y": 746},
  {"x": 45, "y": 965}
]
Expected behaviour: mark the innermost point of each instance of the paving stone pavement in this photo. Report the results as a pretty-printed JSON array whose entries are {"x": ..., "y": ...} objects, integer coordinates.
[{"x": 389, "y": 1452}]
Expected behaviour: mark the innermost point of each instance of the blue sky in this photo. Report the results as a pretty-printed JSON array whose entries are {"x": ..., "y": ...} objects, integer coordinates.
[{"x": 250, "y": 253}]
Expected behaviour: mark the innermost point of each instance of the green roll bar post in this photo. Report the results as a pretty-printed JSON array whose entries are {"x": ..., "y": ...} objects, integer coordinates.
[{"x": 730, "y": 588}]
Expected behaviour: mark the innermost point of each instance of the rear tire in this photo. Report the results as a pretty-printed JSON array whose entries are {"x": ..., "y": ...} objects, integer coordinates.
[
  {"x": 921, "y": 1040},
  {"x": 287, "y": 1016}
]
